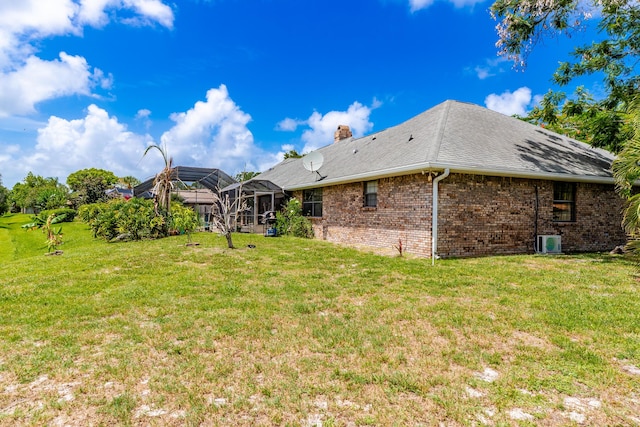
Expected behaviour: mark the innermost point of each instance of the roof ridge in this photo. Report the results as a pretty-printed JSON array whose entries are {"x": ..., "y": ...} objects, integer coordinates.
[{"x": 434, "y": 151}]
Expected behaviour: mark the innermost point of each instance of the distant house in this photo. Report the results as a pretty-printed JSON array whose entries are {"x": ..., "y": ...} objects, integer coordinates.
[
  {"x": 459, "y": 180},
  {"x": 202, "y": 201},
  {"x": 119, "y": 192}
]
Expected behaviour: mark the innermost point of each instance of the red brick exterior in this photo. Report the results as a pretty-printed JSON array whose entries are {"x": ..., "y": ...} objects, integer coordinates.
[{"x": 477, "y": 216}]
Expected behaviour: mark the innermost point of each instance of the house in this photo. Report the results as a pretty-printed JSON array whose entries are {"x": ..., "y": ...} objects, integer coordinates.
[
  {"x": 201, "y": 200},
  {"x": 459, "y": 180},
  {"x": 119, "y": 192}
]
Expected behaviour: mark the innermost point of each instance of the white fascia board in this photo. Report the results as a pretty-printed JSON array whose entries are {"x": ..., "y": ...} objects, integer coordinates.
[{"x": 437, "y": 167}]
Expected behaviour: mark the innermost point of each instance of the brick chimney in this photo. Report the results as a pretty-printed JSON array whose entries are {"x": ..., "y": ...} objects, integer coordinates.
[{"x": 343, "y": 132}]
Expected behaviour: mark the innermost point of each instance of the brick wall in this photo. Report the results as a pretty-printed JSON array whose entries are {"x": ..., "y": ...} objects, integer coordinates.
[
  {"x": 478, "y": 216},
  {"x": 481, "y": 215},
  {"x": 403, "y": 212}
]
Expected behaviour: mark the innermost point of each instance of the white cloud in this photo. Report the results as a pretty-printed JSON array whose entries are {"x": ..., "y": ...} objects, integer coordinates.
[
  {"x": 40, "y": 80},
  {"x": 490, "y": 68},
  {"x": 416, "y": 5},
  {"x": 149, "y": 11},
  {"x": 143, "y": 114},
  {"x": 36, "y": 18},
  {"x": 483, "y": 72},
  {"x": 510, "y": 103},
  {"x": 289, "y": 124},
  {"x": 214, "y": 133},
  {"x": 65, "y": 146},
  {"x": 26, "y": 79},
  {"x": 322, "y": 127}
]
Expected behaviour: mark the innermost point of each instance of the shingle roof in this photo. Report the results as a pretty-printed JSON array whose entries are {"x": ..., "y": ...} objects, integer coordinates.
[{"x": 463, "y": 137}]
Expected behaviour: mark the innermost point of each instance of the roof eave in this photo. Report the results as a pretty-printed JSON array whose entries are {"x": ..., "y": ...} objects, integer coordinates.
[{"x": 429, "y": 166}]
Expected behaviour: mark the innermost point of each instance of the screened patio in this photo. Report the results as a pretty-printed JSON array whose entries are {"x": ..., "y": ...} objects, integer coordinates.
[{"x": 261, "y": 197}]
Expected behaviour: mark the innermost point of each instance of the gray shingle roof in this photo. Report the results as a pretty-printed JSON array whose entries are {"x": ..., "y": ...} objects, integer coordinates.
[{"x": 463, "y": 137}]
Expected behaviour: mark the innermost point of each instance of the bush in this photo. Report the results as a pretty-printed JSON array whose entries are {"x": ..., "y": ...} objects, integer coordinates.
[
  {"x": 184, "y": 219},
  {"x": 291, "y": 221},
  {"x": 69, "y": 213},
  {"x": 135, "y": 219}
]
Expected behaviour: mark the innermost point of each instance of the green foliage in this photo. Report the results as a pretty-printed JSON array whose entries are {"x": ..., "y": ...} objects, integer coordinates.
[
  {"x": 69, "y": 214},
  {"x": 89, "y": 185},
  {"x": 163, "y": 182},
  {"x": 4, "y": 198},
  {"x": 613, "y": 54},
  {"x": 245, "y": 176},
  {"x": 523, "y": 24},
  {"x": 129, "y": 181},
  {"x": 583, "y": 118},
  {"x": 38, "y": 193},
  {"x": 290, "y": 221},
  {"x": 184, "y": 219},
  {"x": 626, "y": 171},
  {"x": 134, "y": 219},
  {"x": 292, "y": 154}
]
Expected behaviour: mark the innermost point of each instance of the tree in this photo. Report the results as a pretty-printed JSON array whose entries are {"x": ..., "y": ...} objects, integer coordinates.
[
  {"x": 128, "y": 181},
  {"x": 91, "y": 184},
  {"x": 582, "y": 118},
  {"x": 163, "y": 183},
  {"x": 245, "y": 176},
  {"x": 4, "y": 198},
  {"x": 38, "y": 193},
  {"x": 524, "y": 23},
  {"x": 227, "y": 208},
  {"x": 626, "y": 171},
  {"x": 292, "y": 154},
  {"x": 184, "y": 219}
]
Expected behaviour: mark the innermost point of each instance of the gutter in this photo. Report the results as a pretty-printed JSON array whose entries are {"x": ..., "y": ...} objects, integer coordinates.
[
  {"x": 426, "y": 166},
  {"x": 434, "y": 214}
]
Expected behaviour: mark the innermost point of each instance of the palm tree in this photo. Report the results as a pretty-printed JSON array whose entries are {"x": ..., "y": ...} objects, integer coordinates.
[
  {"x": 626, "y": 171},
  {"x": 163, "y": 183}
]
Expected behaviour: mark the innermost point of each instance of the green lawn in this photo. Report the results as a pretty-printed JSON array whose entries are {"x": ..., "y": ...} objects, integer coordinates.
[{"x": 301, "y": 332}]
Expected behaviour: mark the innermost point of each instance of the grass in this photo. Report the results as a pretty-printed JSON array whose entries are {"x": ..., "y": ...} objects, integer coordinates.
[{"x": 299, "y": 332}]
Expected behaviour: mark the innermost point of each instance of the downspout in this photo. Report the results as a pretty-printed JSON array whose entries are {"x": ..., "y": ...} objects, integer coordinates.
[{"x": 434, "y": 215}]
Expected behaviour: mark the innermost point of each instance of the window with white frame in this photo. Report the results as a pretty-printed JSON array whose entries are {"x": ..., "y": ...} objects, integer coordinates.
[{"x": 371, "y": 194}]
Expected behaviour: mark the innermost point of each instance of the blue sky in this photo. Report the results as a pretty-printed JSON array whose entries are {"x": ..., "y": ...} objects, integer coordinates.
[{"x": 234, "y": 84}]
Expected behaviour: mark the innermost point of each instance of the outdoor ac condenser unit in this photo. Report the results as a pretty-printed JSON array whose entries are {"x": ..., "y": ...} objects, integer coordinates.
[{"x": 549, "y": 244}]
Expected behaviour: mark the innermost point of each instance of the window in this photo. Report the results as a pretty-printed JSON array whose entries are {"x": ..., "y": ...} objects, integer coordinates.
[
  {"x": 564, "y": 201},
  {"x": 371, "y": 193},
  {"x": 312, "y": 202}
]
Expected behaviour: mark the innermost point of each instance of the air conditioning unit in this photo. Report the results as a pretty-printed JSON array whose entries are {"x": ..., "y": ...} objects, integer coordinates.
[{"x": 549, "y": 244}]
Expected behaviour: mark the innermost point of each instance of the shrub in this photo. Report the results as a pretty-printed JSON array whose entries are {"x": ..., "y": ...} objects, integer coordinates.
[
  {"x": 291, "y": 221},
  {"x": 183, "y": 219},
  {"x": 135, "y": 219},
  {"x": 69, "y": 214}
]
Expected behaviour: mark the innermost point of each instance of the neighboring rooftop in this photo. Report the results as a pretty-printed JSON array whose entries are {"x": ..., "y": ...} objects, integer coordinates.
[{"x": 465, "y": 138}]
